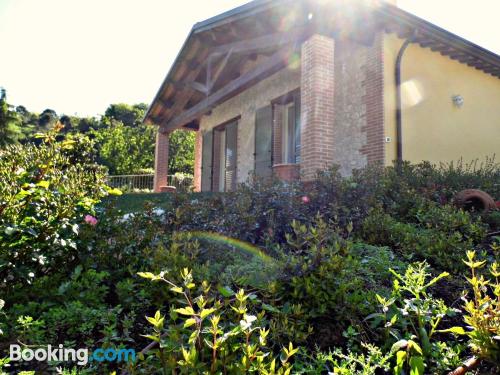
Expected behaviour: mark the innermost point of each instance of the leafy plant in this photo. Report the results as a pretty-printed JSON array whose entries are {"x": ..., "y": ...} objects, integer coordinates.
[
  {"x": 439, "y": 235},
  {"x": 208, "y": 335},
  {"x": 44, "y": 198},
  {"x": 411, "y": 320},
  {"x": 483, "y": 310}
]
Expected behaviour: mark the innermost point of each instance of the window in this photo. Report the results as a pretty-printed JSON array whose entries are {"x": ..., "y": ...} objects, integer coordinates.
[
  {"x": 219, "y": 164},
  {"x": 287, "y": 119},
  {"x": 291, "y": 135}
]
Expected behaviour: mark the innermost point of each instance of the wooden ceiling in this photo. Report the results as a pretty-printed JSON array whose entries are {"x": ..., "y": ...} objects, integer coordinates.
[{"x": 230, "y": 52}]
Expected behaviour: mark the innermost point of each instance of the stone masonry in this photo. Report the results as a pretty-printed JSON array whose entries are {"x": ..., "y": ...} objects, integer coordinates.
[{"x": 359, "y": 113}]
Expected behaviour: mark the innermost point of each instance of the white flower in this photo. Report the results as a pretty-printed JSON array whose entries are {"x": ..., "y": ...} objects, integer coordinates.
[
  {"x": 247, "y": 321},
  {"x": 159, "y": 211},
  {"x": 31, "y": 274},
  {"x": 126, "y": 218}
]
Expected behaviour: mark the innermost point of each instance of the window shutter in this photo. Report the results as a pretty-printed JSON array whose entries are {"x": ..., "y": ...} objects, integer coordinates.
[
  {"x": 297, "y": 127},
  {"x": 263, "y": 142},
  {"x": 206, "y": 164},
  {"x": 231, "y": 155}
]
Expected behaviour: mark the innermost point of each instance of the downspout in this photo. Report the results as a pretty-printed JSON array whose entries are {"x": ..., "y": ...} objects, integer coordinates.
[{"x": 399, "y": 132}]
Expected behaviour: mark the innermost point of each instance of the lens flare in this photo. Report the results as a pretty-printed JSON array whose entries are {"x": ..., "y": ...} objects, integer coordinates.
[
  {"x": 412, "y": 92},
  {"x": 245, "y": 247}
]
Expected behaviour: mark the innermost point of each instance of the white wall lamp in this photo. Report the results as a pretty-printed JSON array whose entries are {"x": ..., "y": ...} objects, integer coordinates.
[{"x": 458, "y": 101}]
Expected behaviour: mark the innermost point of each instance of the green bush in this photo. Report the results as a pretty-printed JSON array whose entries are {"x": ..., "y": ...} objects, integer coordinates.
[
  {"x": 209, "y": 335},
  {"x": 442, "y": 181},
  {"x": 440, "y": 235},
  {"x": 324, "y": 279},
  {"x": 483, "y": 310},
  {"x": 44, "y": 197},
  {"x": 315, "y": 256}
]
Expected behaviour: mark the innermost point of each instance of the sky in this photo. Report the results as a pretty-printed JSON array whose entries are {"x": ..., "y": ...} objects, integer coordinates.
[{"x": 79, "y": 56}]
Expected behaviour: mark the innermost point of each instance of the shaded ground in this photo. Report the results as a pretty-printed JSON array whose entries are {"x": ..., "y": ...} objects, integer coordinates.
[{"x": 135, "y": 202}]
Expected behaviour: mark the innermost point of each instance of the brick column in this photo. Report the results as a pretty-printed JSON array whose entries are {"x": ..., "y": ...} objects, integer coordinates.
[
  {"x": 161, "y": 162},
  {"x": 198, "y": 144},
  {"x": 317, "y": 105},
  {"x": 216, "y": 156}
]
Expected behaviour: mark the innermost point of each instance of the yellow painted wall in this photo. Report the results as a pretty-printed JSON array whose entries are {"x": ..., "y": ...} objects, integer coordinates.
[{"x": 433, "y": 128}]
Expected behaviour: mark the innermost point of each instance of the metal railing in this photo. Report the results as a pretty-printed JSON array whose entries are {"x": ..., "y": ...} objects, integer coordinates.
[{"x": 143, "y": 183}]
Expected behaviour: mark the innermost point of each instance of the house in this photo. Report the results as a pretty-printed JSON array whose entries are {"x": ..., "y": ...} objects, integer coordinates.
[{"x": 289, "y": 87}]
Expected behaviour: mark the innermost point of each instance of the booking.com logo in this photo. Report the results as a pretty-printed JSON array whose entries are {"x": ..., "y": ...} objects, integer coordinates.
[{"x": 62, "y": 354}]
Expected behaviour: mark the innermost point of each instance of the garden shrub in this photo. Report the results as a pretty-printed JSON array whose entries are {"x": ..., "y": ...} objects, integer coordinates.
[
  {"x": 44, "y": 197},
  {"x": 122, "y": 243},
  {"x": 210, "y": 335},
  {"x": 324, "y": 279},
  {"x": 347, "y": 201},
  {"x": 255, "y": 211},
  {"x": 77, "y": 311},
  {"x": 314, "y": 256},
  {"x": 483, "y": 310},
  {"x": 440, "y": 182},
  {"x": 411, "y": 321},
  {"x": 441, "y": 235}
]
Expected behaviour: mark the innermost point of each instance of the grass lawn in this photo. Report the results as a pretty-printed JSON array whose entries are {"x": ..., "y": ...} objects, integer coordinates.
[{"x": 136, "y": 201}]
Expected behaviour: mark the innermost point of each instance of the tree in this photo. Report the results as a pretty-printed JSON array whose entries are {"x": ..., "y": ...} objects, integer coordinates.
[
  {"x": 86, "y": 124},
  {"x": 124, "y": 149},
  {"x": 130, "y": 150},
  {"x": 28, "y": 123},
  {"x": 129, "y": 115},
  {"x": 181, "y": 152},
  {"x": 9, "y": 129},
  {"x": 47, "y": 118},
  {"x": 67, "y": 122}
]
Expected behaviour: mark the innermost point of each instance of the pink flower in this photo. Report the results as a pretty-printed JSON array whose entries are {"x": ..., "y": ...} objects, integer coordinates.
[
  {"x": 89, "y": 219},
  {"x": 305, "y": 199}
]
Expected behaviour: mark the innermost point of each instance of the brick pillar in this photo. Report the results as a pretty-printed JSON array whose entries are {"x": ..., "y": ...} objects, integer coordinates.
[
  {"x": 197, "y": 161},
  {"x": 161, "y": 162},
  {"x": 317, "y": 105},
  {"x": 216, "y": 156}
]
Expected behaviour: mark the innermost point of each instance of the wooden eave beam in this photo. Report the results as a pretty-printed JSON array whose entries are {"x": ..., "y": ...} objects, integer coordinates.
[
  {"x": 167, "y": 103},
  {"x": 271, "y": 65},
  {"x": 193, "y": 125},
  {"x": 186, "y": 86},
  {"x": 199, "y": 87},
  {"x": 460, "y": 46},
  {"x": 212, "y": 80},
  {"x": 259, "y": 44}
]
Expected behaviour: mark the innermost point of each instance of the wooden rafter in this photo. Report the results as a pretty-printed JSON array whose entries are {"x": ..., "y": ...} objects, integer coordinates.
[
  {"x": 186, "y": 86},
  {"x": 260, "y": 43},
  {"x": 212, "y": 80},
  {"x": 246, "y": 47},
  {"x": 271, "y": 65},
  {"x": 199, "y": 87}
]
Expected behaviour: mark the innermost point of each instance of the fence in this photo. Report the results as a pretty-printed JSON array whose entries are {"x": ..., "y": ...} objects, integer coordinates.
[{"x": 143, "y": 183}]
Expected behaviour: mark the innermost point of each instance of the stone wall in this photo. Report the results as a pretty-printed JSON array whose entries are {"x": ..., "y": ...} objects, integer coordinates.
[{"x": 359, "y": 112}]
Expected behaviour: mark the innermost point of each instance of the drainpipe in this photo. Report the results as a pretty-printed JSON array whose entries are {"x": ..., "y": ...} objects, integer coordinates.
[{"x": 399, "y": 133}]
